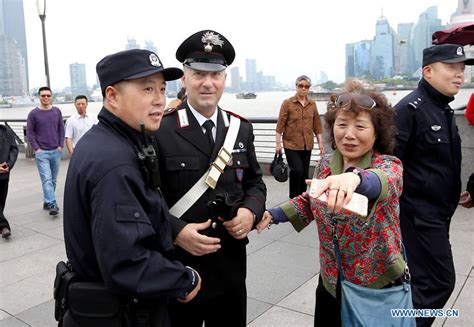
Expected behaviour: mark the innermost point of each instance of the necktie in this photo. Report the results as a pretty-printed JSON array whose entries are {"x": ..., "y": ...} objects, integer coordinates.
[{"x": 208, "y": 125}]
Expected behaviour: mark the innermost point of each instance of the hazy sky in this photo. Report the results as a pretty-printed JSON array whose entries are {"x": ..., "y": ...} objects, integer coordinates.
[{"x": 287, "y": 38}]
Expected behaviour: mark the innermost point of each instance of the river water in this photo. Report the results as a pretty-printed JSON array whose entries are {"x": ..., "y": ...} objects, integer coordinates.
[{"x": 267, "y": 104}]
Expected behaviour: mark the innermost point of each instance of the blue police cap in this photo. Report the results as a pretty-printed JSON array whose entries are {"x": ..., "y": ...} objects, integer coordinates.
[
  {"x": 206, "y": 51},
  {"x": 132, "y": 64},
  {"x": 447, "y": 53}
]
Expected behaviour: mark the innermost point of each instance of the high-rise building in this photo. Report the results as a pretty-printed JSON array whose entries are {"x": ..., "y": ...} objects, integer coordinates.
[
  {"x": 350, "y": 60},
  {"x": 235, "y": 79},
  {"x": 132, "y": 44},
  {"x": 12, "y": 69},
  {"x": 12, "y": 26},
  {"x": 251, "y": 74},
  {"x": 150, "y": 46},
  {"x": 324, "y": 77},
  {"x": 362, "y": 57},
  {"x": 382, "y": 50},
  {"x": 78, "y": 78},
  {"x": 403, "y": 57},
  {"x": 465, "y": 14},
  {"x": 427, "y": 24}
]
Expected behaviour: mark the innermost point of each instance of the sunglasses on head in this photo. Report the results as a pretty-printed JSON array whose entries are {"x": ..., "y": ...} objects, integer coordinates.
[
  {"x": 303, "y": 86},
  {"x": 361, "y": 100}
]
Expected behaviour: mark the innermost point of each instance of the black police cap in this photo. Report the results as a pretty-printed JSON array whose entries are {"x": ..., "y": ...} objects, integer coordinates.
[
  {"x": 206, "y": 51},
  {"x": 132, "y": 64},
  {"x": 447, "y": 53}
]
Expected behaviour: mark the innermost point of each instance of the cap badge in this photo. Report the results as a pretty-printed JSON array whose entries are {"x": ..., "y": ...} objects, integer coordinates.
[
  {"x": 459, "y": 51},
  {"x": 210, "y": 38},
  {"x": 154, "y": 61}
]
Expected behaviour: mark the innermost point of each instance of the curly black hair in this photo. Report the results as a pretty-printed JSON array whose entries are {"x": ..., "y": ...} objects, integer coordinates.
[{"x": 382, "y": 116}]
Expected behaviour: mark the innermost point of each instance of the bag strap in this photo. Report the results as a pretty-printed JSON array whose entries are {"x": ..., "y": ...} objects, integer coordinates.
[
  {"x": 335, "y": 241},
  {"x": 211, "y": 176}
]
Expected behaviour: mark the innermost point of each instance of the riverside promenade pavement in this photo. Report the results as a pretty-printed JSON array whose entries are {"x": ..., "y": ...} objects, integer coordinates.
[{"x": 283, "y": 266}]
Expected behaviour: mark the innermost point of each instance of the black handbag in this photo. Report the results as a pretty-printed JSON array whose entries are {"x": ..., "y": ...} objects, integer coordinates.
[{"x": 278, "y": 168}]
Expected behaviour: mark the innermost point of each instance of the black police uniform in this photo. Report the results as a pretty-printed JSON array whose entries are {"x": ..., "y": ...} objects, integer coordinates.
[
  {"x": 429, "y": 146},
  {"x": 116, "y": 227},
  {"x": 184, "y": 156}
]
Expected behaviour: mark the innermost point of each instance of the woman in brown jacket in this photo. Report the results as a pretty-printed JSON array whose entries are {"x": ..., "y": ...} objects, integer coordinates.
[{"x": 298, "y": 122}]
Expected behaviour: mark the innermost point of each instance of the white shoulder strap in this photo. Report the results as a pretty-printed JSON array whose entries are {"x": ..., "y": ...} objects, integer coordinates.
[{"x": 211, "y": 176}]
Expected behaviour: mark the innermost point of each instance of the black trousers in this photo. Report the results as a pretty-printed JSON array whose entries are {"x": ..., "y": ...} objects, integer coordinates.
[
  {"x": 298, "y": 161},
  {"x": 228, "y": 310},
  {"x": 3, "y": 199},
  {"x": 430, "y": 261},
  {"x": 328, "y": 309}
]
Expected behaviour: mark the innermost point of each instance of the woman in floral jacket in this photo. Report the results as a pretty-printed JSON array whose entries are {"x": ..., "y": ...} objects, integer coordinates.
[{"x": 362, "y": 133}]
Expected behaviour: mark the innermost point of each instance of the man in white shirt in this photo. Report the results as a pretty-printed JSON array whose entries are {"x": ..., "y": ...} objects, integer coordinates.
[{"x": 78, "y": 124}]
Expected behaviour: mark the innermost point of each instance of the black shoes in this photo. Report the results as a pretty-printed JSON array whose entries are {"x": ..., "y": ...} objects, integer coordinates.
[
  {"x": 52, "y": 207},
  {"x": 6, "y": 232}
]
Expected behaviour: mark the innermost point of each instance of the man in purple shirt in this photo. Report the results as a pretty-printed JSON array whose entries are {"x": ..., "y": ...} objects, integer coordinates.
[{"x": 45, "y": 132}]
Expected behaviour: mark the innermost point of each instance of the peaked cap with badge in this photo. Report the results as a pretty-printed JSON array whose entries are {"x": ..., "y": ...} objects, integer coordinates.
[
  {"x": 447, "y": 53},
  {"x": 132, "y": 64},
  {"x": 206, "y": 50}
]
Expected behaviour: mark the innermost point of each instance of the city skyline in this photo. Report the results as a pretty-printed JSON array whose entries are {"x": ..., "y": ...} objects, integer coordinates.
[{"x": 283, "y": 42}]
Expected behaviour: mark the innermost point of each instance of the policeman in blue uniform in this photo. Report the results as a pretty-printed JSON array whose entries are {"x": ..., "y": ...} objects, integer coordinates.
[
  {"x": 116, "y": 223},
  {"x": 211, "y": 233},
  {"x": 429, "y": 146}
]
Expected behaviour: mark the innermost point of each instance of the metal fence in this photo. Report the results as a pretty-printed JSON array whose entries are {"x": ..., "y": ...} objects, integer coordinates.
[{"x": 264, "y": 130}]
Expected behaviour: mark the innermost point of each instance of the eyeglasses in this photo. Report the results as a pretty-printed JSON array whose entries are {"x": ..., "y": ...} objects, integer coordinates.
[
  {"x": 46, "y": 95},
  {"x": 303, "y": 86},
  {"x": 361, "y": 100}
]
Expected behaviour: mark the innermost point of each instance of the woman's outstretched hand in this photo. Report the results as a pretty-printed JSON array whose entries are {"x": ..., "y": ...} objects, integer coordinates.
[
  {"x": 265, "y": 222},
  {"x": 339, "y": 190}
]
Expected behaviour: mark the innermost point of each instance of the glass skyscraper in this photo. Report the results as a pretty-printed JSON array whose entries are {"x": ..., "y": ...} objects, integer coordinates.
[{"x": 14, "y": 58}]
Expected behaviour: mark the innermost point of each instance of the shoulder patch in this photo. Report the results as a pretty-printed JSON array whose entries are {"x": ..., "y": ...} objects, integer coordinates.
[
  {"x": 236, "y": 115},
  {"x": 169, "y": 111},
  {"x": 414, "y": 100}
]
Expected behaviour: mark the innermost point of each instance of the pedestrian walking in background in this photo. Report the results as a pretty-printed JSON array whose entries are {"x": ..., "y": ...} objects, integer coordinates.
[
  {"x": 45, "y": 133},
  {"x": 78, "y": 124},
  {"x": 175, "y": 103},
  {"x": 298, "y": 122},
  {"x": 8, "y": 155}
]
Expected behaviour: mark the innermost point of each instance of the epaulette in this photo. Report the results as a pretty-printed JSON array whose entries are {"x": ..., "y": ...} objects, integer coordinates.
[
  {"x": 415, "y": 103},
  {"x": 169, "y": 111},
  {"x": 236, "y": 115}
]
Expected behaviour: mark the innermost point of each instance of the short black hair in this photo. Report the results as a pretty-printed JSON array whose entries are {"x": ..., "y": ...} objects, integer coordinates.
[
  {"x": 81, "y": 97},
  {"x": 44, "y": 88}
]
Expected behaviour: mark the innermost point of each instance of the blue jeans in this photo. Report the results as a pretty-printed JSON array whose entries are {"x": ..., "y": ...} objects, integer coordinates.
[{"x": 47, "y": 162}]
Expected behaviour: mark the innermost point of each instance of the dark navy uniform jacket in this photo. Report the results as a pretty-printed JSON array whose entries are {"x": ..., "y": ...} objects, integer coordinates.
[
  {"x": 116, "y": 227},
  {"x": 184, "y": 156},
  {"x": 429, "y": 146}
]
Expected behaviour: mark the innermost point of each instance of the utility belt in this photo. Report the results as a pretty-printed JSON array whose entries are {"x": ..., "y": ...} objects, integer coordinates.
[{"x": 80, "y": 303}]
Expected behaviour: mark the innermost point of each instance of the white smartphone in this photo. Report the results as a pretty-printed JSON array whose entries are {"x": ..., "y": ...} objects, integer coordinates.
[{"x": 359, "y": 203}]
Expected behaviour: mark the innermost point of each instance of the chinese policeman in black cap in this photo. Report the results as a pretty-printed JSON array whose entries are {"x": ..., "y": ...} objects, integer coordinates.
[
  {"x": 429, "y": 146},
  {"x": 116, "y": 223},
  {"x": 212, "y": 182}
]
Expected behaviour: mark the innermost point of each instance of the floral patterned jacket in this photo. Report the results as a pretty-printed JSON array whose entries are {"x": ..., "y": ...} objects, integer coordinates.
[{"x": 370, "y": 246}]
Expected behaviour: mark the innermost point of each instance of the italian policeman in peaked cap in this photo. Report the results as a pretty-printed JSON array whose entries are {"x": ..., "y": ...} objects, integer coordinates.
[
  {"x": 200, "y": 147},
  {"x": 429, "y": 146},
  {"x": 116, "y": 222}
]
